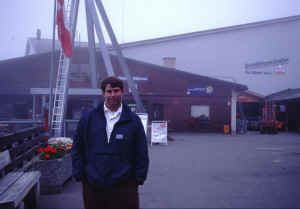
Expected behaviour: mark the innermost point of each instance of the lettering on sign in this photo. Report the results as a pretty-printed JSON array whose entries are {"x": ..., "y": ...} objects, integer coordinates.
[{"x": 271, "y": 67}]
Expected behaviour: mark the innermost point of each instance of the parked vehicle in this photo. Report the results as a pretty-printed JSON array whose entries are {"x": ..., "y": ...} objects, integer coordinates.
[{"x": 269, "y": 122}]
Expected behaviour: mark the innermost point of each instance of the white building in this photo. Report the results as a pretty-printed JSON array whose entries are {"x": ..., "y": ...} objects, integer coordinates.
[{"x": 262, "y": 55}]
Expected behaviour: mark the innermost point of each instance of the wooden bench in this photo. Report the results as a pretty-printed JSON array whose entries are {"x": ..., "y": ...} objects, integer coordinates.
[{"x": 19, "y": 187}]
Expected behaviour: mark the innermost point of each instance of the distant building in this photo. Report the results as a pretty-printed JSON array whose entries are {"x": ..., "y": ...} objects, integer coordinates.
[
  {"x": 262, "y": 55},
  {"x": 187, "y": 101}
]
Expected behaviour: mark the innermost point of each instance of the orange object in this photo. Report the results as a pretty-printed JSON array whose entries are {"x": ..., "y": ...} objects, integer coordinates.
[{"x": 226, "y": 129}]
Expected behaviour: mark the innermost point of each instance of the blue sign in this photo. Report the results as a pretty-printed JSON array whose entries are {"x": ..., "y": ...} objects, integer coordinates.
[{"x": 199, "y": 90}]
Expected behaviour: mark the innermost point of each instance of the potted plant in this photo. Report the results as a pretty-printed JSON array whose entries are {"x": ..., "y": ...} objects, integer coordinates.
[{"x": 55, "y": 164}]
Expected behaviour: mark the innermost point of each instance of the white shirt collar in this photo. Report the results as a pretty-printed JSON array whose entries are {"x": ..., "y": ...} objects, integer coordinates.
[
  {"x": 111, "y": 119},
  {"x": 119, "y": 111}
]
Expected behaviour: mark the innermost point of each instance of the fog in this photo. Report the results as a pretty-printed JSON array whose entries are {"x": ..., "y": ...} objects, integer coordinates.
[
  {"x": 251, "y": 45},
  {"x": 201, "y": 71},
  {"x": 135, "y": 20}
]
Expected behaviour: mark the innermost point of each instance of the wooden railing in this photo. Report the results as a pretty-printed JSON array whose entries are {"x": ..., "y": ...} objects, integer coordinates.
[{"x": 23, "y": 147}]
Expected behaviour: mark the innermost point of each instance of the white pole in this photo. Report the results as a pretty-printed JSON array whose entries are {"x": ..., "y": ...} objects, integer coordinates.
[{"x": 233, "y": 112}]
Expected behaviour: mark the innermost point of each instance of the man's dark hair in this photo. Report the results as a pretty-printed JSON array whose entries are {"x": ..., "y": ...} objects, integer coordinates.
[{"x": 113, "y": 81}]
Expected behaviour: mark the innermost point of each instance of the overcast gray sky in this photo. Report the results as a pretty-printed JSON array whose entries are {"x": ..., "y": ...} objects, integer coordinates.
[{"x": 135, "y": 20}]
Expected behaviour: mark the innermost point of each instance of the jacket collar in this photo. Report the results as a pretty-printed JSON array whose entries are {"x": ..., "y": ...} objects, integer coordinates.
[
  {"x": 118, "y": 112},
  {"x": 125, "y": 115}
]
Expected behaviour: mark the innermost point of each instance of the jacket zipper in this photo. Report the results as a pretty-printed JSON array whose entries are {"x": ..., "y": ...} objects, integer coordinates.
[{"x": 111, "y": 134}]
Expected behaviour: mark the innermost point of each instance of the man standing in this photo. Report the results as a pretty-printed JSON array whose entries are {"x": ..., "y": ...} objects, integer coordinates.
[{"x": 110, "y": 153}]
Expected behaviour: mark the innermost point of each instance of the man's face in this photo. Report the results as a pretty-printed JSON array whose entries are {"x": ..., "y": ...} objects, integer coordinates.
[{"x": 113, "y": 97}]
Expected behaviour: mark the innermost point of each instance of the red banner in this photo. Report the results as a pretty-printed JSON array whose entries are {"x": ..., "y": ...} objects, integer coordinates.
[{"x": 63, "y": 33}]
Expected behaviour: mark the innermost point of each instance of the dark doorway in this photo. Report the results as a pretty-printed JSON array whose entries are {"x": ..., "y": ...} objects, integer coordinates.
[
  {"x": 293, "y": 115},
  {"x": 157, "y": 112}
]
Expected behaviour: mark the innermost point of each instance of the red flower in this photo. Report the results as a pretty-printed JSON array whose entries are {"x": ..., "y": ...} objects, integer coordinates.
[
  {"x": 53, "y": 150},
  {"x": 48, "y": 148}
]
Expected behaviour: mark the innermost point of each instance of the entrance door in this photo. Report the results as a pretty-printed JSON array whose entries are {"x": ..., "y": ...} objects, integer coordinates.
[{"x": 157, "y": 112}]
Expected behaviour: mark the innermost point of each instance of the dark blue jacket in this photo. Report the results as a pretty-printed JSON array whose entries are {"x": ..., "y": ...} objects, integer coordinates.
[{"x": 105, "y": 164}]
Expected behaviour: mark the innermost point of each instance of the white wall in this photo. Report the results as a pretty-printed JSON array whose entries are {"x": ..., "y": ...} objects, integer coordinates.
[{"x": 225, "y": 54}]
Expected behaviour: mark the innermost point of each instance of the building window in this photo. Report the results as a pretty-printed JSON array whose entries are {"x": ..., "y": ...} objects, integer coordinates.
[
  {"x": 200, "y": 112},
  {"x": 133, "y": 107}
]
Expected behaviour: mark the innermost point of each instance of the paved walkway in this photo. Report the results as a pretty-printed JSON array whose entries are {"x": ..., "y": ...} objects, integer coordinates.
[{"x": 213, "y": 171}]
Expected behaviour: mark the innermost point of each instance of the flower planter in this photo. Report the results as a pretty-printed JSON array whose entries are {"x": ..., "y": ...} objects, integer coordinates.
[{"x": 54, "y": 173}]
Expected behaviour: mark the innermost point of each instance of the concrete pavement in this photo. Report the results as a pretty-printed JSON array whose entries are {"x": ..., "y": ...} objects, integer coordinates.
[{"x": 213, "y": 171}]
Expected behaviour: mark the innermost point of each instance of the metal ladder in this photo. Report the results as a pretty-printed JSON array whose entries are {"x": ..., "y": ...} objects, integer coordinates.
[{"x": 62, "y": 79}]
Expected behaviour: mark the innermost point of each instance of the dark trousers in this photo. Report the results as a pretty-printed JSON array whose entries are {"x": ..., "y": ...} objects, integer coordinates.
[{"x": 124, "y": 195}]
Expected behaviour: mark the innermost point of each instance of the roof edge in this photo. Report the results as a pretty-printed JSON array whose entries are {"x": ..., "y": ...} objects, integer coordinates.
[
  {"x": 211, "y": 31},
  {"x": 192, "y": 34}
]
